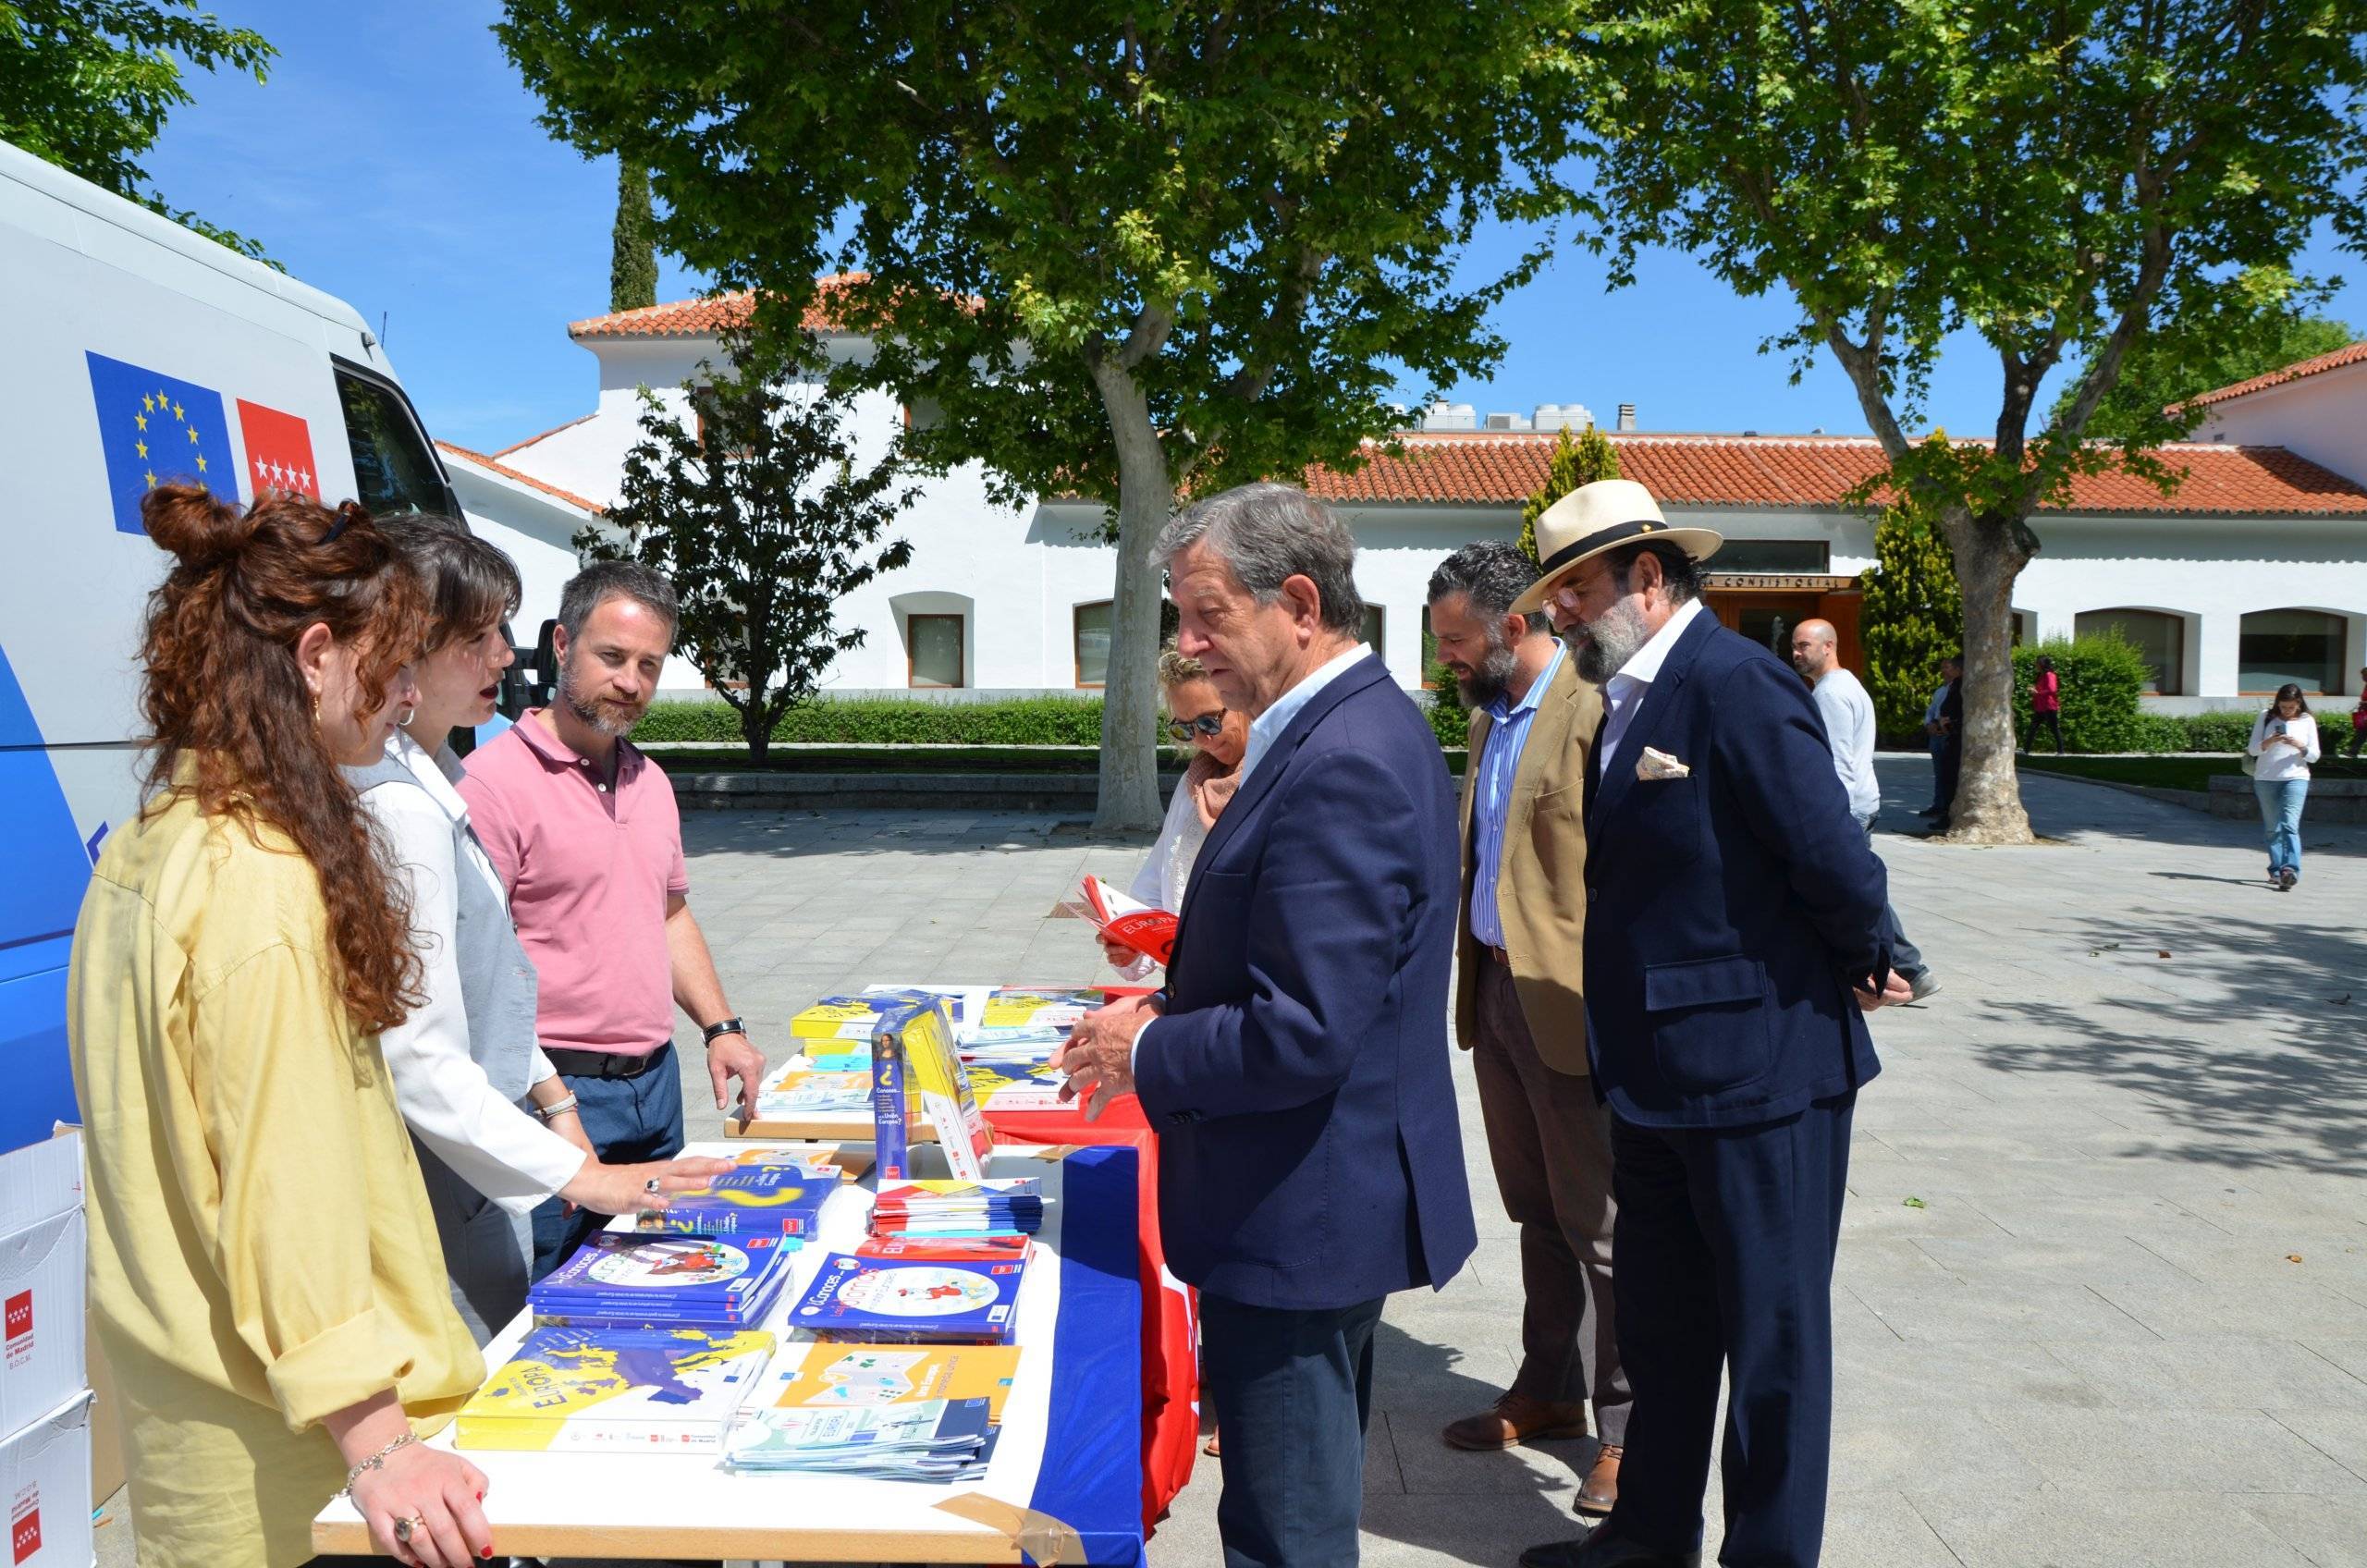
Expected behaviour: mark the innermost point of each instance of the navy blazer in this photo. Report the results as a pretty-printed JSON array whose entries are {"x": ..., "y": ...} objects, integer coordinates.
[
  {"x": 1308, "y": 1153},
  {"x": 1729, "y": 912}
]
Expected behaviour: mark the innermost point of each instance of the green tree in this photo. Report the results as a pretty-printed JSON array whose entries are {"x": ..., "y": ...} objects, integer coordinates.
[
  {"x": 760, "y": 512},
  {"x": 87, "y": 84},
  {"x": 2064, "y": 179},
  {"x": 1910, "y": 618},
  {"x": 1106, "y": 248},
  {"x": 2267, "y": 325},
  {"x": 1582, "y": 462},
  {"x": 633, "y": 254}
]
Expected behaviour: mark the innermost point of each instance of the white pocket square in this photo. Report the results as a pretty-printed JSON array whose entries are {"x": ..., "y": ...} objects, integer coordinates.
[{"x": 1656, "y": 764}]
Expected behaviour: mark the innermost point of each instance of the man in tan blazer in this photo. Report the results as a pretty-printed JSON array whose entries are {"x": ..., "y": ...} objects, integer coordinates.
[{"x": 1519, "y": 1007}]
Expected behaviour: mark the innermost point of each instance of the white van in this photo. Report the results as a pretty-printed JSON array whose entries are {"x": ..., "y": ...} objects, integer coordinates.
[{"x": 135, "y": 352}]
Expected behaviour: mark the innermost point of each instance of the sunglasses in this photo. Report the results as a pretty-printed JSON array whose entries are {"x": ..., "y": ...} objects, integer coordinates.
[{"x": 1207, "y": 723}]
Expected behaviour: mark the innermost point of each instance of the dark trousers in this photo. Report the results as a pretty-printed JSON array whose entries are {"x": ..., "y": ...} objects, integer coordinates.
[
  {"x": 2052, "y": 720},
  {"x": 1725, "y": 1244},
  {"x": 1549, "y": 1141},
  {"x": 1905, "y": 956},
  {"x": 629, "y": 1120},
  {"x": 2358, "y": 739},
  {"x": 1292, "y": 1391},
  {"x": 1951, "y": 769}
]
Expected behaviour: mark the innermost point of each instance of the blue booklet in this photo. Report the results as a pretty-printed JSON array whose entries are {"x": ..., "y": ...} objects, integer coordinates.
[
  {"x": 877, "y": 1299},
  {"x": 778, "y": 1200},
  {"x": 617, "y": 1277}
]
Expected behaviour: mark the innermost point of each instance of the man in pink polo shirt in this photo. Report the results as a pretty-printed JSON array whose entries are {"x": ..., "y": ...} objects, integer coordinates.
[{"x": 586, "y": 834}]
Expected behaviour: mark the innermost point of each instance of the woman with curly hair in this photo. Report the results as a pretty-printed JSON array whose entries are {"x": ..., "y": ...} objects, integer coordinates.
[{"x": 264, "y": 1273}]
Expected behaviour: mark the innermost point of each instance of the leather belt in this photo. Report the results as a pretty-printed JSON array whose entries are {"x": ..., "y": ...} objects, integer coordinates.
[
  {"x": 1499, "y": 955},
  {"x": 605, "y": 1064}
]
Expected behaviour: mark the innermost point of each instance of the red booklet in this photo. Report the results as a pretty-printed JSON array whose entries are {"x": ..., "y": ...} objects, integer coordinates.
[
  {"x": 946, "y": 1249},
  {"x": 1139, "y": 926}
]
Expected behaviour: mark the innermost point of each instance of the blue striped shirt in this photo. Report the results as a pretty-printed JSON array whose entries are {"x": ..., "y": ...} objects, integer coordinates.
[{"x": 1491, "y": 798}]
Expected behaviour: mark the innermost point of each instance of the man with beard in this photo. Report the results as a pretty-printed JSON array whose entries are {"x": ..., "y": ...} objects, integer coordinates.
[
  {"x": 1518, "y": 1004},
  {"x": 1733, "y": 940},
  {"x": 584, "y": 832}
]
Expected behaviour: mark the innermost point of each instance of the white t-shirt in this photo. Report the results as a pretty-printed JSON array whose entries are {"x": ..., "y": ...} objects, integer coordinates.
[
  {"x": 2279, "y": 763},
  {"x": 1849, "y": 725}
]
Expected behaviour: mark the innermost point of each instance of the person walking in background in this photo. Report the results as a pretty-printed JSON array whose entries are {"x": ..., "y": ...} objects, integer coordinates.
[
  {"x": 2046, "y": 704},
  {"x": 467, "y": 1070},
  {"x": 1950, "y": 759},
  {"x": 1215, "y": 738},
  {"x": 583, "y": 831},
  {"x": 2284, "y": 744},
  {"x": 263, "y": 1268},
  {"x": 1733, "y": 911},
  {"x": 2357, "y": 722},
  {"x": 1935, "y": 738},
  {"x": 1849, "y": 714},
  {"x": 1520, "y": 1008},
  {"x": 1297, "y": 1067}
]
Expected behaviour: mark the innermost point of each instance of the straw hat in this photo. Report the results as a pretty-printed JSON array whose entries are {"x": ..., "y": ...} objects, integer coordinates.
[{"x": 1598, "y": 516}]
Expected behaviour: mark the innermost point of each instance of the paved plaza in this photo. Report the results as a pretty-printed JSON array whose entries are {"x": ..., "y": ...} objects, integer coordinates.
[{"x": 2102, "y": 1290}]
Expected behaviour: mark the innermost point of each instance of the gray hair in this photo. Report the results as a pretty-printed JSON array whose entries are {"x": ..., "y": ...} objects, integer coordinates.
[
  {"x": 603, "y": 580},
  {"x": 1266, "y": 534},
  {"x": 1491, "y": 573}
]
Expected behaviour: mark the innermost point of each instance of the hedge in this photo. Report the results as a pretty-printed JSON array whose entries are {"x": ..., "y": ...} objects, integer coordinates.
[
  {"x": 2101, "y": 678},
  {"x": 1015, "y": 721}
]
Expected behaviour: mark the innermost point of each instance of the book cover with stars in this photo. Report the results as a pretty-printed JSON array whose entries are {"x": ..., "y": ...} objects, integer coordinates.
[
  {"x": 155, "y": 429},
  {"x": 593, "y": 1391}
]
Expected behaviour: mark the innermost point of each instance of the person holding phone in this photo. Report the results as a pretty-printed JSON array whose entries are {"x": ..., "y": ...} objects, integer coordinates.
[{"x": 2284, "y": 744}]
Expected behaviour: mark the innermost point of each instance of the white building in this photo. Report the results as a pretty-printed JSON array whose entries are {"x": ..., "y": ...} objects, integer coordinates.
[{"x": 2252, "y": 574}]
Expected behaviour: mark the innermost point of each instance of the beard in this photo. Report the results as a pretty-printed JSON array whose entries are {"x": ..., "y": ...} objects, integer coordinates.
[
  {"x": 1491, "y": 679},
  {"x": 1605, "y": 644},
  {"x": 604, "y": 714}
]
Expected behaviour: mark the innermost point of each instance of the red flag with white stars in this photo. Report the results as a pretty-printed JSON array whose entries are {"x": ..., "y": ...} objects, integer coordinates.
[{"x": 279, "y": 452}]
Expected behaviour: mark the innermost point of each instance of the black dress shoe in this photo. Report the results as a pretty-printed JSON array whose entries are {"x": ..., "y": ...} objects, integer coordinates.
[{"x": 1602, "y": 1551}]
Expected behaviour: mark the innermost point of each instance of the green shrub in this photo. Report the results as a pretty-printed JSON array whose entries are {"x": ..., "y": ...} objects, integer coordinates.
[
  {"x": 2155, "y": 732},
  {"x": 2101, "y": 679},
  {"x": 1016, "y": 721},
  {"x": 1450, "y": 720},
  {"x": 2230, "y": 731}
]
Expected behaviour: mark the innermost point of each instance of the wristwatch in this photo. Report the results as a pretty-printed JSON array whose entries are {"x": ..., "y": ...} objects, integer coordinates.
[{"x": 722, "y": 1027}]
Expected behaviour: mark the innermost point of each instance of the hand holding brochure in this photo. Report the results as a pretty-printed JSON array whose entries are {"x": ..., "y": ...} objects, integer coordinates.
[{"x": 1120, "y": 918}]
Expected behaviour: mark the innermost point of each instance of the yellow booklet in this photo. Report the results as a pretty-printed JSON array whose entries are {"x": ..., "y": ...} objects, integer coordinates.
[
  {"x": 603, "y": 1390},
  {"x": 840, "y": 1375}
]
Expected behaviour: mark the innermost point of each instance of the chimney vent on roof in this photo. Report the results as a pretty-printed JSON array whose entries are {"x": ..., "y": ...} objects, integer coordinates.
[
  {"x": 1564, "y": 416},
  {"x": 1508, "y": 422},
  {"x": 1627, "y": 416}
]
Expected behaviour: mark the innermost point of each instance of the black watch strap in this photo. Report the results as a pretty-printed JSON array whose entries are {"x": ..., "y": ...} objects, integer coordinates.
[{"x": 721, "y": 1027}]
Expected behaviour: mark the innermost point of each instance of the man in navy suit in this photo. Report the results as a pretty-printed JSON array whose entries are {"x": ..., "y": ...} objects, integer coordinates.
[
  {"x": 1296, "y": 1066},
  {"x": 1734, "y": 920}
]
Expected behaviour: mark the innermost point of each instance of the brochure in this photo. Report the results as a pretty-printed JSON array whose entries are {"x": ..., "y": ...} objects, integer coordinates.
[
  {"x": 782, "y": 1200},
  {"x": 593, "y": 1391},
  {"x": 1120, "y": 918},
  {"x": 842, "y": 1376},
  {"x": 899, "y": 1301},
  {"x": 623, "y": 1278},
  {"x": 932, "y": 1440}
]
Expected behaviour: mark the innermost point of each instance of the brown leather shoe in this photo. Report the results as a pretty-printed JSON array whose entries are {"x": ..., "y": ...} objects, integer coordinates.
[
  {"x": 1599, "y": 1492},
  {"x": 1514, "y": 1420}
]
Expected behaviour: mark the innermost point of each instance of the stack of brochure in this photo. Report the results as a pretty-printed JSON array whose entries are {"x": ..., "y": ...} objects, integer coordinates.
[
  {"x": 1013, "y": 1206},
  {"x": 595, "y": 1390},
  {"x": 620, "y": 1279},
  {"x": 848, "y": 1019},
  {"x": 800, "y": 1090},
  {"x": 906, "y": 1301},
  {"x": 1025, "y": 1025},
  {"x": 888, "y": 1411},
  {"x": 779, "y": 1200}
]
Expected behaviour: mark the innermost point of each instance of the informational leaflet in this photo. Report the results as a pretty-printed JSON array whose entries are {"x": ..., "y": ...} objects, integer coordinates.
[
  {"x": 934, "y": 1079},
  {"x": 602, "y": 1391},
  {"x": 896, "y": 1301},
  {"x": 1122, "y": 920}
]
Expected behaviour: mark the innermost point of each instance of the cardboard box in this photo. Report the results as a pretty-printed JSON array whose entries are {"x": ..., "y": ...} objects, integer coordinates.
[
  {"x": 43, "y": 1252},
  {"x": 46, "y": 1485}
]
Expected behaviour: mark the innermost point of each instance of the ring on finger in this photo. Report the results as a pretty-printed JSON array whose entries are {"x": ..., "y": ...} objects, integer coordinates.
[
  {"x": 406, "y": 1526},
  {"x": 652, "y": 1184}
]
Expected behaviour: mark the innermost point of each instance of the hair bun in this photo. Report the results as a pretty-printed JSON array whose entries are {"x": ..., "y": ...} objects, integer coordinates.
[{"x": 195, "y": 524}]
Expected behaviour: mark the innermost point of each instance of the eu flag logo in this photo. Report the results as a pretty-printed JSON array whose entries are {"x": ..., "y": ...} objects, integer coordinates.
[{"x": 155, "y": 430}]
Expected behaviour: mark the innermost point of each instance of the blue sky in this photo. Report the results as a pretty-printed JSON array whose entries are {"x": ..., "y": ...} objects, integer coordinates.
[{"x": 394, "y": 160}]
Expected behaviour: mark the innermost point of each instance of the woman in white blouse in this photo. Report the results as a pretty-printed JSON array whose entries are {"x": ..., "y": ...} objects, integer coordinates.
[
  {"x": 2284, "y": 744},
  {"x": 1216, "y": 738},
  {"x": 495, "y": 1130}
]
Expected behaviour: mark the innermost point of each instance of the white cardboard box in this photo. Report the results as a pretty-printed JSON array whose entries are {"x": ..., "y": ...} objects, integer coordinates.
[
  {"x": 45, "y": 1483},
  {"x": 42, "y": 1249}
]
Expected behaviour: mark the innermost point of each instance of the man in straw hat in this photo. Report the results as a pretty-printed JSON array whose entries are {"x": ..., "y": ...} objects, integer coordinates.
[{"x": 1733, "y": 940}]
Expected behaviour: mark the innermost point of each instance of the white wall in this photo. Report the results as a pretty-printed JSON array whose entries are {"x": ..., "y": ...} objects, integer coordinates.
[{"x": 2321, "y": 417}]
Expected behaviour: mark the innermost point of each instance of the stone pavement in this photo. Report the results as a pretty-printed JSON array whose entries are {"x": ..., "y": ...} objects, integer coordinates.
[{"x": 2102, "y": 1289}]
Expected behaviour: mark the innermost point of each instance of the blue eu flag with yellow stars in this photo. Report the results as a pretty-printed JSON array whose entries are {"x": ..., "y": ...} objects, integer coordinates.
[{"x": 156, "y": 430}]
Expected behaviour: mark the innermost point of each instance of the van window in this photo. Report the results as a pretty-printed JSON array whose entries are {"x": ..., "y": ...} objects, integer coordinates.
[{"x": 393, "y": 470}]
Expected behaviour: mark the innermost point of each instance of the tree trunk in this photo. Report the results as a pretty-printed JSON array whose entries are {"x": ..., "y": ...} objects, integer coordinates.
[
  {"x": 757, "y": 732},
  {"x": 1989, "y": 800},
  {"x": 1129, "y": 799}
]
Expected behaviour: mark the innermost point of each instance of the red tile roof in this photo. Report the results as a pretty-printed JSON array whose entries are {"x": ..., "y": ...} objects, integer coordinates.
[
  {"x": 1493, "y": 468},
  {"x": 705, "y": 318},
  {"x": 481, "y": 461},
  {"x": 2353, "y": 355}
]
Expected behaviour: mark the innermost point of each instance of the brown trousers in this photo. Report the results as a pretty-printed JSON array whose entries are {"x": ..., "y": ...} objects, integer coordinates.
[{"x": 1550, "y": 1145}]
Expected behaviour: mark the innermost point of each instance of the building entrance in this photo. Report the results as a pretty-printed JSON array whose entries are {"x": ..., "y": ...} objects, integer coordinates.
[{"x": 1768, "y": 607}]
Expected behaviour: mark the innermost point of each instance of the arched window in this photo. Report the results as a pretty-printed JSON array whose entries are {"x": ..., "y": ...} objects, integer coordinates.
[
  {"x": 2160, "y": 638},
  {"x": 2302, "y": 646},
  {"x": 1089, "y": 636}
]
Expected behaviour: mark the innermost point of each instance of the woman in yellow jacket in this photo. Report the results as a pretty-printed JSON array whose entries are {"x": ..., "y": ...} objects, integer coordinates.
[{"x": 265, "y": 1271}]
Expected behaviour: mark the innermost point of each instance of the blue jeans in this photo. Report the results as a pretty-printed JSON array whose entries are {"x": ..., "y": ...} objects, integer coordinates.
[
  {"x": 629, "y": 1120},
  {"x": 1292, "y": 1392},
  {"x": 2280, "y": 815}
]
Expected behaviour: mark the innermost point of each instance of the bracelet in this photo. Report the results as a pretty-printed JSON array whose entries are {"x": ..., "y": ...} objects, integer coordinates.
[
  {"x": 553, "y": 1111},
  {"x": 722, "y": 1027},
  {"x": 376, "y": 1461}
]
